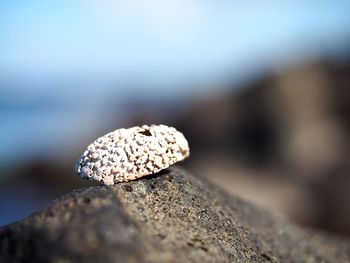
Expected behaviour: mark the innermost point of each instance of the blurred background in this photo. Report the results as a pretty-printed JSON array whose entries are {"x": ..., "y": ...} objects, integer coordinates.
[{"x": 261, "y": 89}]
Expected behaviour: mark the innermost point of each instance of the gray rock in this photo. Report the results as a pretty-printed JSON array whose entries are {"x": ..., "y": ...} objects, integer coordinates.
[{"x": 170, "y": 217}]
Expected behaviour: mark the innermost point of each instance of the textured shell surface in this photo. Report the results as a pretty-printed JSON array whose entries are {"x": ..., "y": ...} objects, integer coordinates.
[{"x": 127, "y": 154}]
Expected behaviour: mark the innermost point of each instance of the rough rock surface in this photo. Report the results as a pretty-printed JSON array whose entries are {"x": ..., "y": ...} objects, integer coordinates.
[{"x": 169, "y": 217}]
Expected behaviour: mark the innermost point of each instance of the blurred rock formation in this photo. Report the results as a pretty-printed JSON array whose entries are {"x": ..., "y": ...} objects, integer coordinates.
[{"x": 282, "y": 141}]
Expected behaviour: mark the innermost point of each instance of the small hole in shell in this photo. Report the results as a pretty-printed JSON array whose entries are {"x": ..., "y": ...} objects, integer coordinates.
[{"x": 146, "y": 133}]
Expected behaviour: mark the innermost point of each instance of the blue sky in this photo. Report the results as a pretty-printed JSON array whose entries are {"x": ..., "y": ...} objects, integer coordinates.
[{"x": 169, "y": 39}]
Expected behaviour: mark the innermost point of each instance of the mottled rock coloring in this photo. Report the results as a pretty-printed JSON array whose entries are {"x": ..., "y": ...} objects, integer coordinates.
[
  {"x": 169, "y": 217},
  {"x": 127, "y": 154}
]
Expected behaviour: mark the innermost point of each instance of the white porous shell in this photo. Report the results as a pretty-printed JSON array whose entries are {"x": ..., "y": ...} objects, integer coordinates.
[{"x": 127, "y": 154}]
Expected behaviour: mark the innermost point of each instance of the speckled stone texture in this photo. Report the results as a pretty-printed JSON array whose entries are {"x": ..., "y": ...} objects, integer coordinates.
[
  {"x": 171, "y": 217},
  {"x": 127, "y": 154}
]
